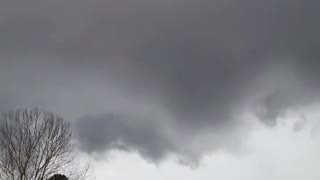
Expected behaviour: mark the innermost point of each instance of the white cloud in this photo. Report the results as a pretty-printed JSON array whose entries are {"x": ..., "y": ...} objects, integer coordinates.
[{"x": 277, "y": 153}]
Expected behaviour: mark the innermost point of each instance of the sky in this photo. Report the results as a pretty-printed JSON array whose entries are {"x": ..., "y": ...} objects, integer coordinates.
[{"x": 168, "y": 89}]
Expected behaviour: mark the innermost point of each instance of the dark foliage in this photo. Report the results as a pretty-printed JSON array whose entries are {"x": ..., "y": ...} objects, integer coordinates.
[{"x": 58, "y": 177}]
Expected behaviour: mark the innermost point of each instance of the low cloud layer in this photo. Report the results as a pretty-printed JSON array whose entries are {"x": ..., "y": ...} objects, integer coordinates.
[{"x": 160, "y": 77}]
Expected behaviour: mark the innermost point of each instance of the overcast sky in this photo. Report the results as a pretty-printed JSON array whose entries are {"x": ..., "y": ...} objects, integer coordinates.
[{"x": 167, "y": 89}]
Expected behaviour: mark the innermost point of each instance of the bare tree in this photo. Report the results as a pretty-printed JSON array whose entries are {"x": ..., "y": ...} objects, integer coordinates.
[{"x": 34, "y": 145}]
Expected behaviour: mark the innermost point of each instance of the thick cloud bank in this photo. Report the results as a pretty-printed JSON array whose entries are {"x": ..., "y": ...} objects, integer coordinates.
[{"x": 160, "y": 77}]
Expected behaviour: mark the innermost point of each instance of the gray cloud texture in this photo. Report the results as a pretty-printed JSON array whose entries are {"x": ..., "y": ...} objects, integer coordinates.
[{"x": 159, "y": 77}]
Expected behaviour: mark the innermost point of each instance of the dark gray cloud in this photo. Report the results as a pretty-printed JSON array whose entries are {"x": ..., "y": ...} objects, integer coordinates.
[
  {"x": 159, "y": 77},
  {"x": 116, "y": 131}
]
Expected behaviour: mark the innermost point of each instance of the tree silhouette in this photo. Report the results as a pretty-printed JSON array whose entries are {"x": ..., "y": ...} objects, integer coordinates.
[{"x": 34, "y": 145}]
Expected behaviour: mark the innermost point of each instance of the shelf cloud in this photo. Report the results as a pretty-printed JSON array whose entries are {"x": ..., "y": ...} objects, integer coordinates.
[{"x": 160, "y": 77}]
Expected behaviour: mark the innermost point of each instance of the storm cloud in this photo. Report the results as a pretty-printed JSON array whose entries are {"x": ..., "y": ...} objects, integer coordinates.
[{"x": 160, "y": 77}]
